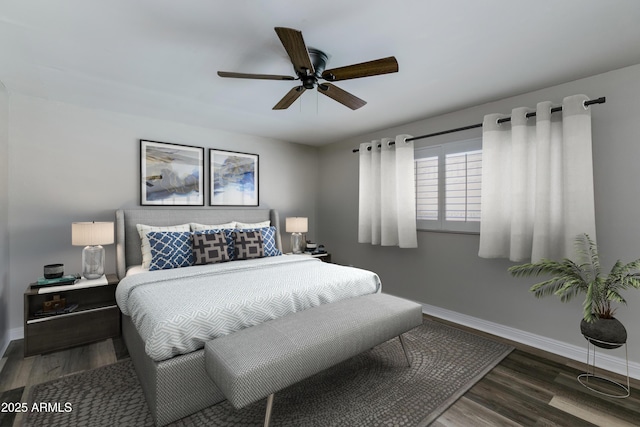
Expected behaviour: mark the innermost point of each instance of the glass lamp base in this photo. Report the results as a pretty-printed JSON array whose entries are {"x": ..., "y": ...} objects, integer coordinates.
[
  {"x": 93, "y": 262},
  {"x": 297, "y": 243}
]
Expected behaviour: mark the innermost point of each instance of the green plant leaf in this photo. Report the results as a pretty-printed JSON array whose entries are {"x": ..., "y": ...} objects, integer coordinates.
[{"x": 571, "y": 278}]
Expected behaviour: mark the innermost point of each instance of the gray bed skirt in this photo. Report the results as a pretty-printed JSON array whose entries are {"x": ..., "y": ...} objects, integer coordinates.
[{"x": 174, "y": 388}]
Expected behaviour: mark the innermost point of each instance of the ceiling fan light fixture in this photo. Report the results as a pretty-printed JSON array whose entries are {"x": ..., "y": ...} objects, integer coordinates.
[{"x": 309, "y": 82}]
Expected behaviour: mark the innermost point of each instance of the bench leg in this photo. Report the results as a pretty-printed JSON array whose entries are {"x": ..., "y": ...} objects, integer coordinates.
[
  {"x": 404, "y": 348},
  {"x": 267, "y": 415}
]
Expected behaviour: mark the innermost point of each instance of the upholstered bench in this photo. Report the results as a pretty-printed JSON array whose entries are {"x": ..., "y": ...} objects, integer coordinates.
[{"x": 256, "y": 362}]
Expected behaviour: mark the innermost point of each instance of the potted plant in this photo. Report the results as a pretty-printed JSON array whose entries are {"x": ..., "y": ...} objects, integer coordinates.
[{"x": 571, "y": 278}]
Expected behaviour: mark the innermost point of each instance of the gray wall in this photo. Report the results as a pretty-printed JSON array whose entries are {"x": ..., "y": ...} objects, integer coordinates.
[
  {"x": 69, "y": 163},
  {"x": 445, "y": 270},
  {"x": 4, "y": 218}
]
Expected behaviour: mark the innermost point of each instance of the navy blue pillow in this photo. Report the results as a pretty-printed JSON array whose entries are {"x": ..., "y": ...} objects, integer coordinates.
[{"x": 170, "y": 249}]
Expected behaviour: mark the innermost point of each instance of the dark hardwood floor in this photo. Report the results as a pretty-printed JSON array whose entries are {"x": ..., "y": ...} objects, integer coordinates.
[
  {"x": 531, "y": 387},
  {"x": 528, "y": 388}
]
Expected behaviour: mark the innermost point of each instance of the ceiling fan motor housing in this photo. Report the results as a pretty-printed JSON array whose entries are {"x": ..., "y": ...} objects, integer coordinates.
[{"x": 319, "y": 61}]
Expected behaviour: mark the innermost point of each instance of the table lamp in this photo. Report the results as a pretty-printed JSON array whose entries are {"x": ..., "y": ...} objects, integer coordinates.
[
  {"x": 92, "y": 235},
  {"x": 296, "y": 226}
]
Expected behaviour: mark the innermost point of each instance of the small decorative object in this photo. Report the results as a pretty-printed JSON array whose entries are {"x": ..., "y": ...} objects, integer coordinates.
[
  {"x": 234, "y": 178},
  {"x": 296, "y": 226},
  {"x": 68, "y": 279},
  {"x": 53, "y": 271},
  {"x": 319, "y": 250},
  {"x": 310, "y": 246},
  {"x": 571, "y": 278},
  {"x": 171, "y": 174},
  {"x": 92, "y": 235},
  {"x": 56, "y": 303}
]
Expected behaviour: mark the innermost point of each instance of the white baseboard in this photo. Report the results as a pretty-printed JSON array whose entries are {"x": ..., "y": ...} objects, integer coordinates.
[
  {"x": 570, "y": 351},
  {"x": 14, "y": 334}
]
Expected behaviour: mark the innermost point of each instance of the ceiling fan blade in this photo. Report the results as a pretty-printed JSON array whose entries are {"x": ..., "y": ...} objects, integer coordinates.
[
  {"x": 254, "y": 76},
  {"x": 296, "y": 49},
  {"x": 340, "y": 95},
  {"x": 289, "y": 98},
  {"x": 364, "y": 69}
]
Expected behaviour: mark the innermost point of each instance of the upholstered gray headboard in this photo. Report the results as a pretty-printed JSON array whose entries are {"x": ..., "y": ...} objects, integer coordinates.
[{"x": 128, "y": 243}]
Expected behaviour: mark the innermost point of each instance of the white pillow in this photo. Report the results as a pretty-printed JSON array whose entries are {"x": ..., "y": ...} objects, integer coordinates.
[
  {"x": 245, "y": 225},
  {"x": 202, "y": 227},
  {"x": 146, "y": 247},
  {"x": 136, "y": 269}
]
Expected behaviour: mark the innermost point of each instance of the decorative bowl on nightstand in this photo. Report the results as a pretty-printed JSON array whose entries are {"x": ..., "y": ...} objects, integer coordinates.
[{"x": 53, "y": 271}]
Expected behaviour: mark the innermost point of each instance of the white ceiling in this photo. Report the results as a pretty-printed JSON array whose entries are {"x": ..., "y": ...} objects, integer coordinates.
[{"x": 159, "y": 58}]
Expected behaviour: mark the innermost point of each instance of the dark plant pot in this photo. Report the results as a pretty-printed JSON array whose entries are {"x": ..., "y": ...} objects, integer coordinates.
[{"x": 609, "y": 331}]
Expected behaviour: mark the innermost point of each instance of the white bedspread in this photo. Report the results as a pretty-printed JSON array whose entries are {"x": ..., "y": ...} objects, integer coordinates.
[{"x": 177, "y": 311}]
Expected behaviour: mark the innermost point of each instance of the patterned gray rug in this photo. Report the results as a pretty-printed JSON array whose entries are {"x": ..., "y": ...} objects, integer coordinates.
[{"x": 375, "y": 388}]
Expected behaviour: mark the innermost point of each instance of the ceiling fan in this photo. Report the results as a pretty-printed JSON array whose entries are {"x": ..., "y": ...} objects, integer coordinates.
[{"x": 309, "y": 65}]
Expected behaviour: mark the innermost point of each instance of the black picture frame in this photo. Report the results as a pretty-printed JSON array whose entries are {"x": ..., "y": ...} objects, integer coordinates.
[
  {"x": 234, "y": 178},
  {"x": 171, "y": 174}
]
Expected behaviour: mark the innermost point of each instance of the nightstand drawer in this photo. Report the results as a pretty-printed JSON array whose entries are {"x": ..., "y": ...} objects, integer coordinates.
[{"x": 68, "y": 330}]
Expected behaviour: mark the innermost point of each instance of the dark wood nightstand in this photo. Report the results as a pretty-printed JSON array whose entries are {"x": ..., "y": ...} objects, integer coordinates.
[{"x": 97, "y": 317}]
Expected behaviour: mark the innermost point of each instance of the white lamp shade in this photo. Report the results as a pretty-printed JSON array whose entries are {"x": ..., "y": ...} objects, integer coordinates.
[
  {"x": 297, "y": 224},
  {"x": 91, "y": 233}
]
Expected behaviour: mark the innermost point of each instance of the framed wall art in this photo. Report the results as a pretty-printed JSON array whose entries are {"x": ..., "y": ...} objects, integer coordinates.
[
  {"x": 171, "y": 174},
  {"x": 234, "y": 178}
]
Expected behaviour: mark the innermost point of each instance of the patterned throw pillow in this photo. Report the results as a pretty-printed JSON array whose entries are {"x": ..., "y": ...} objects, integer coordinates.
[
  {"x": 143, "y": 230},
  {"x": 170, "y": 249},
  {"x": 269, "y": 240},
  {"x": 248, "y": 244},
  {"x": 228, "y": 234},
  {"x": 210, "y": 248}
]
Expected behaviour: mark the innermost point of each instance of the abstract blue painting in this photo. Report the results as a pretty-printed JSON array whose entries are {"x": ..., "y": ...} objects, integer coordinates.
[
  {"x": 171, "y": 174},
  {"x": 234, "y": 178}
]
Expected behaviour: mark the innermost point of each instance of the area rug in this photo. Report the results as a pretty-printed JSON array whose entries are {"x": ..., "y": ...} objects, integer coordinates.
[{"x": 375, "y": 388}]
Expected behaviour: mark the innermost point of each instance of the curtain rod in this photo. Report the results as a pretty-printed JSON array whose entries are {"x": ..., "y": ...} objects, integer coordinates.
[{"x": 600, "y": 100}]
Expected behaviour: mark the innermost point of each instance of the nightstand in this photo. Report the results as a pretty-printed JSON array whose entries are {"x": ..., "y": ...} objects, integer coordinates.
[
  {"x": 326, "y": 257},
  {"x": 97, "y": 317}
]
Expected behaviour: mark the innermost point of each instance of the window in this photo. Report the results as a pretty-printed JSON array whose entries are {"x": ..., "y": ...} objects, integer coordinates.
[{"x": 448, "y": 185}]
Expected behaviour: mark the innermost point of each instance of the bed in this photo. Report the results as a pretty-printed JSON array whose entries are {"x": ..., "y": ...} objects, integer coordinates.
[{"x": 171, "y": 368}]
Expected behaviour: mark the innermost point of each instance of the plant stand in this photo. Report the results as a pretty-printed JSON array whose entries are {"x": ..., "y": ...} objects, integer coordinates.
[{"x": 591, "y": 371}]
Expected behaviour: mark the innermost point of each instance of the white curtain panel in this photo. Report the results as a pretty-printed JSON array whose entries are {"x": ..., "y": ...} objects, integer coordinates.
[
  {"x": 365, "y": 193},
  {"x": 537, "y": 182},
  {"x": 387, "y": 196}
]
